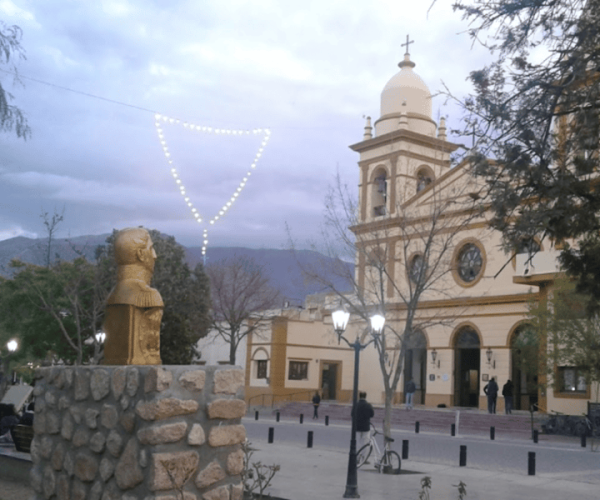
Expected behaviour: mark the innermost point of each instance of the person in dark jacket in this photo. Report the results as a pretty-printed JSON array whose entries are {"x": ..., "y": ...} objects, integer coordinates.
[
  {"x": 491, "y": 391},
  {"x": 364, "y": 414},
  {"x": 8, "y": 421},
  {"x": 316, "y": 400},
  {"x": 507, "y": 392},
  {"x": 409, "y": 390}
]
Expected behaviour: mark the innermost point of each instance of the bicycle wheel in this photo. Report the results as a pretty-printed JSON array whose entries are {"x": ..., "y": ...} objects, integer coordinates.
[
  {"x": 390, "y": 461},
  {"x": 363, "y": 455}
]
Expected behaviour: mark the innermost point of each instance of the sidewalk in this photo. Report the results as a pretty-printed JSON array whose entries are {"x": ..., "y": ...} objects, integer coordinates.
[{"x": 321, "y": 474}]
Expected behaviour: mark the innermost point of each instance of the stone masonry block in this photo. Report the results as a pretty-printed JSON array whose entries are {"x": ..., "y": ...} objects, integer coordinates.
[
  {"x": 226, "y": 435},
  {"x": 165, "y": 408},
  {"x": 220, "y": 493},
  {"x": 172, "y": 470},
  {"x": 228, "y": 381},
  {"x": 128, "y": 472},
  {"x": 227, "y": 408},
  {"x": 210, "y": 475},
  {"x": 100, "y": 384},
  {"x": 157, "y": 380},
  {"x": 196, "y": 437},
  {"x": 235, "y": 463},
  {"x": 193, "y": 380},
  {"x": 161, "y": 434}
]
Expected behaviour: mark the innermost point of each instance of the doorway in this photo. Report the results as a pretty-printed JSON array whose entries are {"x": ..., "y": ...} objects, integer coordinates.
[
  {"x": 415, "y": 364},
  {"x": 524, "y": 351},
  {"x": 329, "y": 379},
  {"x": 467, "y": 359}
]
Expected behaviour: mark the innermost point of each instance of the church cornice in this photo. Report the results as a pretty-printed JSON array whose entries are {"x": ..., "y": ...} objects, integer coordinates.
[
  {"x": 407, "y": 154},
  {"x": 407, "y": 135}
]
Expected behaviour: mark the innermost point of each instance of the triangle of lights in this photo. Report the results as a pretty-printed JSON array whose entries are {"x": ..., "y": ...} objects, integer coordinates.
[{"x": 161, "y": 120}]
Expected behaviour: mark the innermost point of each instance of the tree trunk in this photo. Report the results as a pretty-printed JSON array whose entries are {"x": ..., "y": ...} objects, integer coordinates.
[
  {"x": 387, "y": 415},
  {"x": 232, "y": 349}
]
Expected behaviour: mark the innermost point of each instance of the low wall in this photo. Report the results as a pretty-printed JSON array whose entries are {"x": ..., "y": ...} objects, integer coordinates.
[{"x": 138, "y": 433}]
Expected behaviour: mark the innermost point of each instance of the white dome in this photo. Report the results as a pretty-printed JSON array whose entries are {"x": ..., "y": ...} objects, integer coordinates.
[{"x": 406, "y": 93}]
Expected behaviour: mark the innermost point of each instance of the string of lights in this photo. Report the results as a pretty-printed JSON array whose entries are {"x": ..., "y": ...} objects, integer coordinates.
[{"x": 162, "y": 120}]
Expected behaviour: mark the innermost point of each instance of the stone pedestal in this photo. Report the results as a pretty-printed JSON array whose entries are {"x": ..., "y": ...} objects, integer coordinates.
[{"x": 138, "y": 433}]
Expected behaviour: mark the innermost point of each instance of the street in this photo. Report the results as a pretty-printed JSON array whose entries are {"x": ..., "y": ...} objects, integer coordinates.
[{"x": 565, "y": 458}]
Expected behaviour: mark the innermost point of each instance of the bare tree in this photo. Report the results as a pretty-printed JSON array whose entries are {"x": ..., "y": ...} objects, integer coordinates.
[
  {"x": 400, "y": 260},
  {"x": 51, "y": 224},
  {"x": 241, "y": 299}
]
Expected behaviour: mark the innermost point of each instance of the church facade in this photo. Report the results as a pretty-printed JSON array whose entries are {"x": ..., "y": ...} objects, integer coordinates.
[{"x": 467, "y": 325}]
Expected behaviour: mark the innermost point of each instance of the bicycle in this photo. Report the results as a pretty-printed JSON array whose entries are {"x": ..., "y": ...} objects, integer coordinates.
[{"x": 388, "y": 461}]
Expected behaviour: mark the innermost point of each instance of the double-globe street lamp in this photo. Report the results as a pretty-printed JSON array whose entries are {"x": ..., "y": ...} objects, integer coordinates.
[{"x": 340, "y": 321}]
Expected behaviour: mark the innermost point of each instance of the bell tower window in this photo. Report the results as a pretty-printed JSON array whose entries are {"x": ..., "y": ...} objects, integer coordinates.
[
  {"x": 380, "y": 190},
  {"x": 424, "y": 178}
]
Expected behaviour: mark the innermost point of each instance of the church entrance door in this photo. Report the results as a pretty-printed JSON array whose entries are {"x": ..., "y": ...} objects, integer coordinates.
[
  {"x": 467, "y": 358},
  {"x": 329, "y": 378},
  {"x": 524, "y": 350},
  {"x": 415, "y": 364}
]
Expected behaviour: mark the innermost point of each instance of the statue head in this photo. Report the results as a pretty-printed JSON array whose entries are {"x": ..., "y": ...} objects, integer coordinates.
[{"x": 134, "y": 246}]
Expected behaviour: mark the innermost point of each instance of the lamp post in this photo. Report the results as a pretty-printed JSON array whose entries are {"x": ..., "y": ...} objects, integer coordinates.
[
  {"x": 340, "y": 321},
  {"x": 12, "y": 345}
]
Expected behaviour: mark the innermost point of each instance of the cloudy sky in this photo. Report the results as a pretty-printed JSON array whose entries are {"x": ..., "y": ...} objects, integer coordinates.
[{"x": 308, "y": 71}]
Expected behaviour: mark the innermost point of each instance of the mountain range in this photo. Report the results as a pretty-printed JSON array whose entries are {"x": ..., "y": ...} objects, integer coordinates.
[{"x": 282, "y": 266}]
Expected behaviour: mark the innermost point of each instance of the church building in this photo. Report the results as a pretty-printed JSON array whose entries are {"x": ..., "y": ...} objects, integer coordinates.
[{"x": 467, "y": 324}]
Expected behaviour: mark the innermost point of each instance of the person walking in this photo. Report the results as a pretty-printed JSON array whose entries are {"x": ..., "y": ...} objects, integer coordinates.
[
  {"x": 507, "y": 392},
  {"x": 316, "y": 400},
  {"x": 364, "y": 414},
  {"x": 491, "y": 391},
  {"x": 409, "y": 390}
]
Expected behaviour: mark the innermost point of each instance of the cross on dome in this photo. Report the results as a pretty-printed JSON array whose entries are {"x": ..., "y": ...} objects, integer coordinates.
[{"x": 408, "y": 42}]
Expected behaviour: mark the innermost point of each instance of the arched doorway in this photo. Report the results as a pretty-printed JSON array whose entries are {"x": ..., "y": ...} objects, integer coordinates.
[
  {"x": 415, "y": 364},
  {"x": 524, "y": 355},
  {"x": 466, "y": 367}
]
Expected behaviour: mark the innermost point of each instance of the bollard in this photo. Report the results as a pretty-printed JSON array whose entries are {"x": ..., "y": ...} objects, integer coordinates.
[
  {"x": 326, "y": 419},
  {"x": 531, "y": 463},
  {"x": 271, "y": 432},
  {"x": 256, "y": 415},
  {"x": 492, "y": 433},
  {"x": 463, "y": 456},
  {"x": 583, "y": 440},
  {"x": 453, "y": 430},
  {"x": 536, "y": 434},
  {"x": 417, "y": 426},
  {"x": 301, "y": 417},
  {"x": 405, "y": 449},
  {"x": 309, "y": 439},
  {"x": 277, "y": 415}
]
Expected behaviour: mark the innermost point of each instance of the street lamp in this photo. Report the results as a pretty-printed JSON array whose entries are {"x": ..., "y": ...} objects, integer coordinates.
[
  {"x": 12, "y": 345},
  {"x": 340, "y": 321}
]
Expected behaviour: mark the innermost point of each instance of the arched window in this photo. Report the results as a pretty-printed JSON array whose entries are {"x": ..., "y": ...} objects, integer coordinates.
[
  {"x": 380, "y": 188},
  {"x": 424, "y": 178}
]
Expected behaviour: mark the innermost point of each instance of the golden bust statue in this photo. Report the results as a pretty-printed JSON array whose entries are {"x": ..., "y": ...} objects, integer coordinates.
[{"x": 133, "y": 308}]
